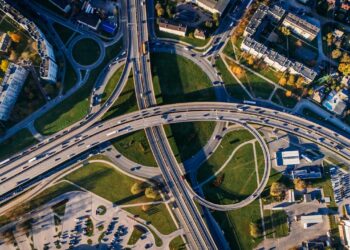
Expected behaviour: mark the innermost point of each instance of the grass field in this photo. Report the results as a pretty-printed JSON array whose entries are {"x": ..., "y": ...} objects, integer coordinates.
[
  {"x": 228, "y": 50},
  {"x": 276, "y": 223},
  {"x": 125, "y": 103},
  {"x": 136, "y": 148},
  {"x": 217, "y": 159},
  {"x": 76, "y": 106},
  {"x": 39, "y": 200},
  {"x": 186, "y": 139},
  {"x": 70, "y": 77},
  {"x": 177, "y": 79},
  {"x": 239, "y": 178},
  {"x": 111, "y": 84},
  {"x": 135, "y": 236},
  {"x": 158, "y": 215},
  {"x": 64, "y": 32},
  {"x": 257, "y": 86},
  {"x": 177, "y": 244},
  {"x": 233, "y": 88},
  {"x": 86, "y": 51},
  {"x": 22, "y": 139},
  {"x": 287, "y": 101},
  {"x": 106, "y": 182},
  {"x": 235, "y": 225}
]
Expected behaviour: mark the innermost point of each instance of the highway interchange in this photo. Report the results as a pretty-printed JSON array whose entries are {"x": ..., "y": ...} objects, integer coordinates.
[{"x": 71, "y": 143}]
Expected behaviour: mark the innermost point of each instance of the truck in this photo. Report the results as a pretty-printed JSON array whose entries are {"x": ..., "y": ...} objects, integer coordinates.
[{"x": 145, "y": 48}]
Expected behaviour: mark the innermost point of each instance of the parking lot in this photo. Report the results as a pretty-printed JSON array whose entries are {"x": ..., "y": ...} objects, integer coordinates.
[{"x": 341, "y": 184}]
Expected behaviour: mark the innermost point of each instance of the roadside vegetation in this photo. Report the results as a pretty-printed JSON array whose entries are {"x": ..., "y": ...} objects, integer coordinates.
[
  {"x": 63, "y": 32},
  {"x": 177, "y": 244},
  {"x": 19, "y": 141},
  {"x": 157, "y": 214},
  {"x": 75, "y": 107},
  {"x": 111, "y": 84},
  {"x": 136, "y": 148},
  {"x": 186, "y": 139},
  {"x": 109, "y": 183}
]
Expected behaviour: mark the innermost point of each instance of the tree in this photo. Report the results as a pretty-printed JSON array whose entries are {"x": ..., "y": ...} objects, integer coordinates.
[
  {"x": 254, "y": 230},
  {"x": 137, "y": 188},
  {"x": 336, "y": 53},
  {"x": 282, "y": 81},
  {"x": 344, "y": 68},
  {"x": 285, "y": 31},
  {"x": 300, "y": 82},
  {"x": 250, "y": 60},
  {"x": 4, "y": 65},
  {"x": 288, "y": 93},
  {"x": 277, "y": 190},
  {"x": 160, "y": 12},
  {"x": 291, "y": 80},
  {"x": 151, "y": 193},
  {"x": 299, "y": 43},
  {"x": 145, "y": 207},
  {"x": 216, "y": 19},
  {"x": 16, "y": 38},
  {"x": 329, "y": 39},
  {"x": 13, "y": 55},
  {"x": 237, "y": 70},
  {"x": 299, "y": 184},
  {"x": 209, "y": 24},
  {"x": 170, "y": 11}
]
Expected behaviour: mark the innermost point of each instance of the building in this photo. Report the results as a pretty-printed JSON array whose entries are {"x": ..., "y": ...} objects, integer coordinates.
[
  {"x": 274, "y": 59},
  {"x": 287, "y": 158},
  {"x": 200, "y": 34},
  {"x": 257, "y": 19},
  {"x": 308, "y": 220},
  {"x": 213, "y": 6},
  {"x": 307, "y": 173},
  {"x": 45, "y": 49},
  {"x": 344, "y": 229},
  {"x": 5, "y": 42},
  {"x": 63, "y": 5},
  {"x": 48, "y": 70},
  {"x": 172, "y": 27},
  {"x": 10, "y": 88},
  {"x": 301, "y": 26},
  {"x": 319, "y": 94},
  {"x": 89, "y": 19},
  {"x": 337, "y": 102},
  {"x": 109, "y": 27}
]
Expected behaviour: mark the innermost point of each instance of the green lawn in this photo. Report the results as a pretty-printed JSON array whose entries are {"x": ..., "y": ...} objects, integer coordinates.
[
  {"x": 193, "y": 41},
  {"x": 135, "y": 236},
  {"x": 86, "y": 51},
  {"x": 21, "y": 140},
  {"x": 186, "y": 139},
  {"x": 287, "y": 101},
  {"x": 232, "y": 86},
  {"x": 125, "y": 103},
  {"x": 39, "y": 200},
  {"x": 64, "y": 32},
  {"x": 177, "y": 244},
  {"x": 70, "y": 77},
  {"x": 177, "y": 79},
  {"x": 235, "y": 225},
  {"x": 111, "y": 84},
  {"x": 135, "y": 147},
  {"x": 228, "y": 50},
  {"x": 276, "y": 223},
  {"x": 158, "y": 215},
  {"x": 217, "y": 159},
  {"x": 107, "y": 182},
  {"x": 239, "y": 178},
  {"x": 76, "y": 106},
  {"x": 48, "y": 5},
  {"x": 257, "y": 86}
]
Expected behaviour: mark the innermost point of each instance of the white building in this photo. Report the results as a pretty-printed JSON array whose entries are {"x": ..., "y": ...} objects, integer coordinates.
[
  {"x": 171, "y": 27},
  {"x": 48, "y": 70},
  {"x": 301, "y": 26},
  {"x": 308, "y": 220},
  {"x": 213, "y": 6},
  {"x": 10, "y": 88},
  {"x": 337, "y": 101},
  {"x": 287, "y": 158}
]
